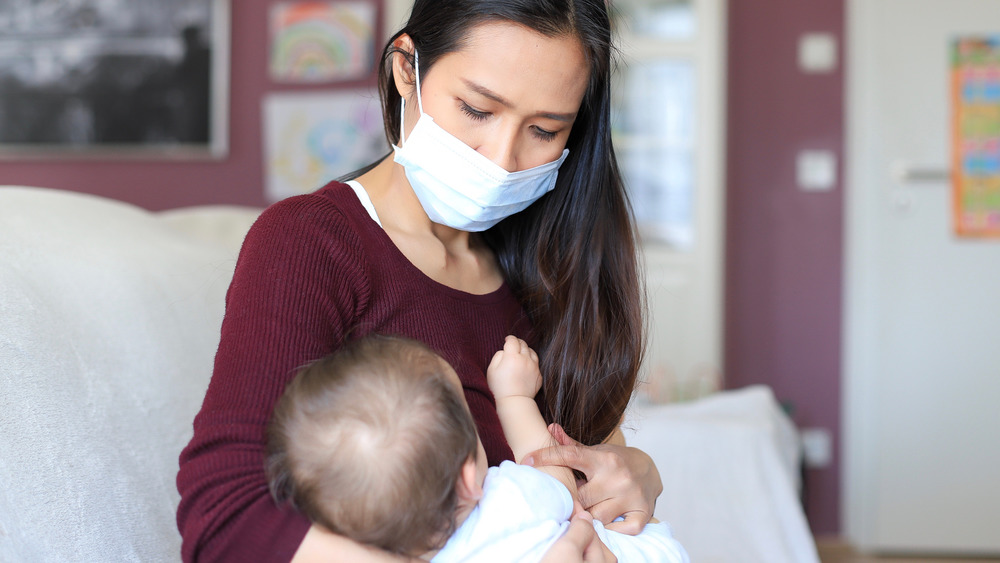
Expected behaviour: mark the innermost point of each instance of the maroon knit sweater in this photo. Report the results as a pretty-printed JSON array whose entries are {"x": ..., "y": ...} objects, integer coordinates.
[{"x": 314, "y": 270}]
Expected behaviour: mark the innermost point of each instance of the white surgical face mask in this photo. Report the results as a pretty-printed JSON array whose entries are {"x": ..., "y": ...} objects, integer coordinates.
[{"x": 459, "y": 187}]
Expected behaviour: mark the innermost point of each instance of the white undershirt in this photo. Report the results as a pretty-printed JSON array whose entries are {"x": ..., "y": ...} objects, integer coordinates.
[{"x": 366, "y": 201}]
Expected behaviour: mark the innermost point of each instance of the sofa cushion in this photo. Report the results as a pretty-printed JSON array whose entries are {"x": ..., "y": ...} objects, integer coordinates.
[
  {"x": 730, "y": 469},
  {"x": 110, "y": 322}
]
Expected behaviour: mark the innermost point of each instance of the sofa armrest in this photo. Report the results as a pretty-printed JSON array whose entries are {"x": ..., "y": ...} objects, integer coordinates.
[{"x": 110, "y": 324}]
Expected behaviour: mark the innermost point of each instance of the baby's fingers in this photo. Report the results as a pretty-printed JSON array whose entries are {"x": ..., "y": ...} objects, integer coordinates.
[
  {"x": 512, "y": 344},
  {"x": 496, "y": 360}
]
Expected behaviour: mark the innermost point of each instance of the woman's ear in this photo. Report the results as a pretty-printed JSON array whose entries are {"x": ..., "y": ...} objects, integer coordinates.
[{"x": 403, "y": 73}]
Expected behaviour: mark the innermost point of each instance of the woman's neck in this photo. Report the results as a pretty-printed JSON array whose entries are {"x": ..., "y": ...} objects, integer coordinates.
[
  {"x": 394, "y": 199},
  {"x": 457, "y": 259}
]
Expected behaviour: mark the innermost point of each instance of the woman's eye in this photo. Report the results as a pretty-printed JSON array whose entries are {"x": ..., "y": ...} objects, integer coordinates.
[
  {"x": 474, "y": 113},
  {"x": 544, "y": 135}
]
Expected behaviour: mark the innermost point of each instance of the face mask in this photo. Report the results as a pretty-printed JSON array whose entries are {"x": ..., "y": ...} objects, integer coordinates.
[{"x": 459, "y": 187}]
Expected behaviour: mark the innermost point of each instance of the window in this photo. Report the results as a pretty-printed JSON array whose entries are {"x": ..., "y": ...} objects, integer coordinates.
[{"x": 656, "y": 117}]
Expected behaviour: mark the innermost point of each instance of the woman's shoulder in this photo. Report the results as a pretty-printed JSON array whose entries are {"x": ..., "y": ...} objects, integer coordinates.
[
  {"x": 332, "y": 213},
  {"x": 328, "y": 224},
  {"x": 335, "y": 202}
]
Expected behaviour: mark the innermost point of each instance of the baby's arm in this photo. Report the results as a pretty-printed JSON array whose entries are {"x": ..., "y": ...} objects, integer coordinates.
[{"x": 514, "y": 379}]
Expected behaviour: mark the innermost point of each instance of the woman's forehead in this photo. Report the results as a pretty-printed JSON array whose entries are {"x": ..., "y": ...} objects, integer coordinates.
[{"x": 521, "y": 65}]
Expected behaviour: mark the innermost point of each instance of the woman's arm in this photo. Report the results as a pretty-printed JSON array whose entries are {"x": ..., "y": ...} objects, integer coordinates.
[
  {"x": 292, "y": 297},
  {"x": 321, "y": 546},
  {"x": 620, "y": 480}
]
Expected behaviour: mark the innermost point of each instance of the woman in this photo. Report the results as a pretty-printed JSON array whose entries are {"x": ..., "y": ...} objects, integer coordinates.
[{"x": 501, "y": 211}]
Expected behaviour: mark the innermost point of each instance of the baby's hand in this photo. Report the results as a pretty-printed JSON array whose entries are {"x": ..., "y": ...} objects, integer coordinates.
[{"x": 514, "y": 370}]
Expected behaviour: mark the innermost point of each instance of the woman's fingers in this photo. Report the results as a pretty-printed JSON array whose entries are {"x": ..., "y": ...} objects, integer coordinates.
[
  {"x": 629, "y": 527},
  {"x": 561, "y": 437},
  {"x": 573, "y": 545},
  {"x": 630, "y": 523},
  {"x": 573, "y": 457},
  {"x": 617, "y": 502},
  {"x": 597, "y": 552},
  {"x": 620, "y": 481}
]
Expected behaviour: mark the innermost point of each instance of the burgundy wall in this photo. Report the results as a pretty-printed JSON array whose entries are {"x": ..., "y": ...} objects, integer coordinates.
[
  {"x": 784, "y": 246},
  {"x": 165, "y": 184}
]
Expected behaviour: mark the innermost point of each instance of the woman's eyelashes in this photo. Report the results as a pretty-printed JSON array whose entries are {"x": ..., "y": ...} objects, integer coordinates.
[
  {"x": 542, "y": 134},
  {"x": 478, "y": 115},
  {"x": 474, "y": 113}
]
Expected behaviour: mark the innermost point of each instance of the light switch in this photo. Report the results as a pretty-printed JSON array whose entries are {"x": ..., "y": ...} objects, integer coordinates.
[
  {"x": 816, "y": 170},
  {"x": 818, "y": 53},
  {"x": 817, "y": 447}
]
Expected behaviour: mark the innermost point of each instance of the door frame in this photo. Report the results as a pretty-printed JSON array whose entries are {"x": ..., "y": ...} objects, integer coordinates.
[{"x": 861, "y": 272}]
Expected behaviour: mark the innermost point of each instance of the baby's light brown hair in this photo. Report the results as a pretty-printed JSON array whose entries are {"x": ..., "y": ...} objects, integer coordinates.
[{"x": 369, "y": 443}]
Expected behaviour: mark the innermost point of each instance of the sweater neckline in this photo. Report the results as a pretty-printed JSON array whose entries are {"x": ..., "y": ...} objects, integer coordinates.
[{"x": 378, "y": 232}]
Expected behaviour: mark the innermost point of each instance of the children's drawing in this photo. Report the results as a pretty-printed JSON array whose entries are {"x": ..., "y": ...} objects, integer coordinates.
[
  {"x": 322, "y": 41},
  {"x": 312, "y": 138},
  {"x": 976, "y": 166}
]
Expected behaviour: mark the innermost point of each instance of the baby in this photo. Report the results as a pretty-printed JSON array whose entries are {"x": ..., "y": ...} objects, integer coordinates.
[{"x": 375, "y": 442}]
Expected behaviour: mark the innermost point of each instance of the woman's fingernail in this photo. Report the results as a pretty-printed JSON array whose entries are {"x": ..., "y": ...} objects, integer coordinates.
[{"x": 530, "y": 460}]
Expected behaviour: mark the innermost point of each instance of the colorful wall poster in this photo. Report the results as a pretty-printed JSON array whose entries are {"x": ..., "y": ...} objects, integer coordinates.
[
  {"x": 311, "y": 138},
  {"x": 976, "y": 127},
  {"x": 316, "y": 42}
]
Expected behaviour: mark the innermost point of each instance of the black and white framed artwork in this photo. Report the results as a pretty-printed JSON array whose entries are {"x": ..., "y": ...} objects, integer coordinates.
[{"x": 144, "y": 78}]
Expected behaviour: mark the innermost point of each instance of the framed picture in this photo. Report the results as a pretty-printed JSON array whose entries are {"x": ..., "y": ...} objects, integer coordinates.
[
  {"x": 115, "y": 78},
  {"x": 322, "y": 42},
  {"x": 311, "y": 138}
]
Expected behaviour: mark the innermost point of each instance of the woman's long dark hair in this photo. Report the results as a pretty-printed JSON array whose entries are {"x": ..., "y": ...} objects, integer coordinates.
[{"x": 570, "y": 257}]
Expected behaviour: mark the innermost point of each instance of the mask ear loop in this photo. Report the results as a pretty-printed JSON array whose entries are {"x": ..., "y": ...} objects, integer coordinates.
[
  {"x": 402, "y": 103},
  {"x": 416, "y": 64}
]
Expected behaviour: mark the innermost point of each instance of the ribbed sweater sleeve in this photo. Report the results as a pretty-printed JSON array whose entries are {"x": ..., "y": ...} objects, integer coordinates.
[
  {"x": 315, "y": 270},
  {"x": 297, "y": 285}
]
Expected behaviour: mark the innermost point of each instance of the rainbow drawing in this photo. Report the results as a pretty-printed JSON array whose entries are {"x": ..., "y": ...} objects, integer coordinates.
[{"x": 322, "y": 41}]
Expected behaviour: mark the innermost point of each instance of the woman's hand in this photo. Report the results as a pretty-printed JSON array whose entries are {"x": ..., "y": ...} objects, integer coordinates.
[
  {"x": 321, "y": 546},
  {"x": 580, "y": 543},
  {"x": 620, "y": 481}
]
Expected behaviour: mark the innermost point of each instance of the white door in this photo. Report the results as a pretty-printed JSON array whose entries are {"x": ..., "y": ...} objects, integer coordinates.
[
  {"x": 669, "y": 136},
  {"x": 922, "y": 357}
]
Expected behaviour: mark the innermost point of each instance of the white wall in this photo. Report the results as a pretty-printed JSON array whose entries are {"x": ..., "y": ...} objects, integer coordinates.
[{"x": 396, "y": 12}]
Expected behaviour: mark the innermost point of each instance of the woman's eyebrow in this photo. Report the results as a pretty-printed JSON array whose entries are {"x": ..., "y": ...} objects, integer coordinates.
[{"x": 490, "y": 94}]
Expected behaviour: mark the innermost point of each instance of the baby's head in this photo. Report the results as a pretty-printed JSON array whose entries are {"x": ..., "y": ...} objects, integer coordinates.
[{"x": 375, "y": 442}]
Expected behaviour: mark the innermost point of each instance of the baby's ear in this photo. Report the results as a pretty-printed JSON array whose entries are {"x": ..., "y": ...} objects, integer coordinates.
[{"x": 470, "y": 489}]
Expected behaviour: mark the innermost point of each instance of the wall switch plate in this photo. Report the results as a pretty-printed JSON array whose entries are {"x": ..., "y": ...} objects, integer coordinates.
[
  {"x": 817, "y": 447},
  {"x": 818, "y": 53},
  {"x": 816, "y": 170}
]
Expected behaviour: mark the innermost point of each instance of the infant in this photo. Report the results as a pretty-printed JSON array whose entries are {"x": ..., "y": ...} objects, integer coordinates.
[{"x": 376, "y": 443}]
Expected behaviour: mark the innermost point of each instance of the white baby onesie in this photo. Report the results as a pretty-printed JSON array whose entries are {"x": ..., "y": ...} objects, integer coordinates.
[{"x": 524, "y": 511}]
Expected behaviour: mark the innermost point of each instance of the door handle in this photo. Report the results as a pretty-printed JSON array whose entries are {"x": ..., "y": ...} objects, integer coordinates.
[{"x": 908, "y": 174}]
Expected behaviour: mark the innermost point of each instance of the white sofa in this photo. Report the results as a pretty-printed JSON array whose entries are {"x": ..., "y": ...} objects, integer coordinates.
[{"x": 109, "y": 320}]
